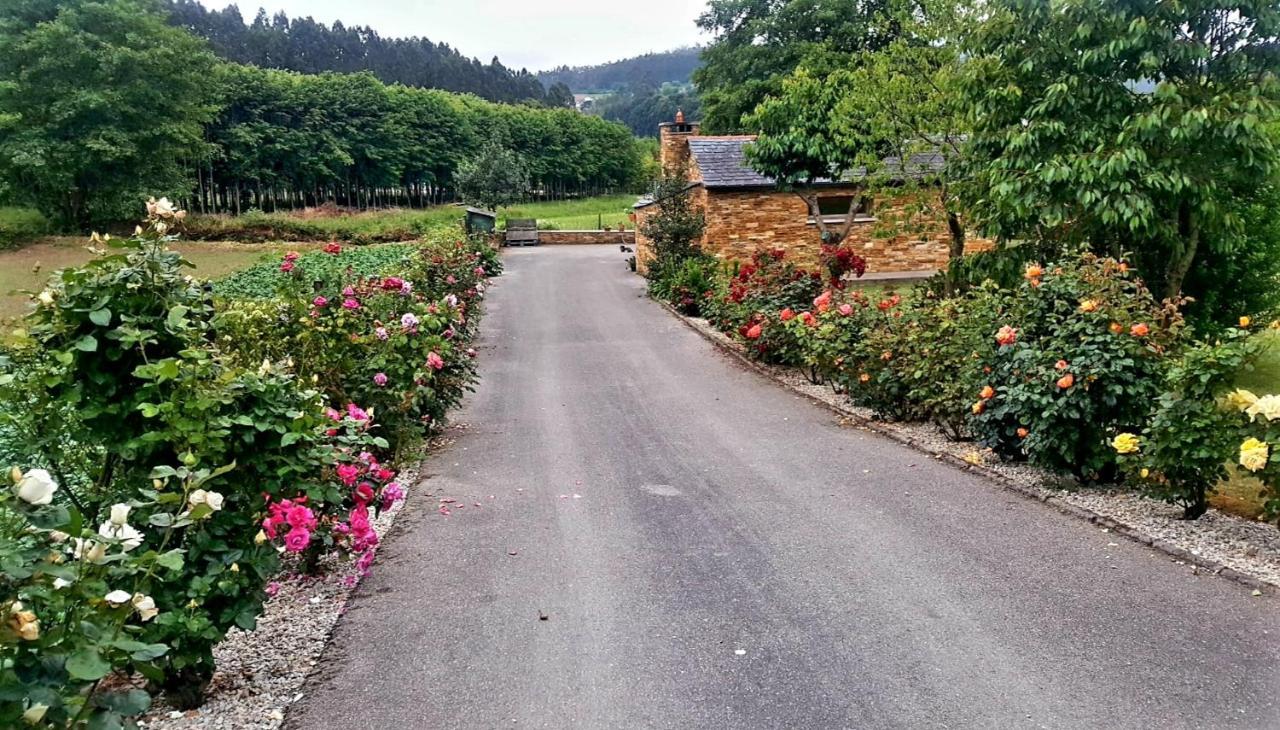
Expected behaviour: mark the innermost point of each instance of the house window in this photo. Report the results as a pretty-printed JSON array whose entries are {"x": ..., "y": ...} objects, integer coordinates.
[{"x": 833, "y": 208}]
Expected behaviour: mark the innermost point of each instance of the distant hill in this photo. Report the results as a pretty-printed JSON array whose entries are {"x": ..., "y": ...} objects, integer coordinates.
[
  {"x": 650, "y": 70},
  {"x": 308, "y": 46}
]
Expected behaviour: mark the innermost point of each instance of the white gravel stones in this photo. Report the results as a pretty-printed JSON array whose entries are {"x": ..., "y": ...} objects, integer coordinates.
[{"x": 1250, "y": 548}]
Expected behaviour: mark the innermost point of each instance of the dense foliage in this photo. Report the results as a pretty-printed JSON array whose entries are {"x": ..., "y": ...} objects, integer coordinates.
[
  {"x": 652, "y": 69},
  {"x": 306, "y": 46},
  {"x": 177, "y": 444},
  {"x": 757, "y": 43},
  {"x": 99, "y": 103},
  {"x": 1134, "y": 126},
  {"x": 642, "y": 107},
  {"x": 101, "y": 99}
]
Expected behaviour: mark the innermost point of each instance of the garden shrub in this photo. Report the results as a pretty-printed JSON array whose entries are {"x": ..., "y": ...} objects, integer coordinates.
[
  {"x": 684, "y": 284},
  {"x": 171, "y": 455},
  {"x": 1082, "y": 349},
  {"x": 755, "y": 298},
  {"x": 21, "y": 225},
  {"x": 396, "y": 344},
  {"x": 1184, "y": 450}
]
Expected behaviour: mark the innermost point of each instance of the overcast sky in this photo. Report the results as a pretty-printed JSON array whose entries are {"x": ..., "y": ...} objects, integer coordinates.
[{"x": 535, "y": 34}]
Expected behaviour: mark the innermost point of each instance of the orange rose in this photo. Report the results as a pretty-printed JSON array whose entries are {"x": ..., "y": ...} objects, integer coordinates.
[
  {"x": 1140, "y": 330},
  {"x": 1062, "y": 365},
  {"x": 979, "y": 407},
  {"x": 1007, "y": 335},
  {"x": 1023, "y": 433},
  {"x": 987, "y": 392},
  {"x": 1034, "y": 271},
  {"x": 787, "y": 315},
  {"x": 864, "y": 378},
  {"x": 754, "y": 332},
  {"x": 1116, "y": 328},
  {"x": 1066, "y": 381}
]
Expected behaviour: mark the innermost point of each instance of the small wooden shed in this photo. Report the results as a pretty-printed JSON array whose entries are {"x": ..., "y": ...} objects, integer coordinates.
[{"x": 479, "y": 220}]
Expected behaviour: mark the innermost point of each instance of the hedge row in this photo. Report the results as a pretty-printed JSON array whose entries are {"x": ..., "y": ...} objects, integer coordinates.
[{"x": 183, "y": 441}]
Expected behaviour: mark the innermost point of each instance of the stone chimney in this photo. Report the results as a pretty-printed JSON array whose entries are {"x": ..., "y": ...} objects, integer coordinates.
[{"x": 673, "y": 141}]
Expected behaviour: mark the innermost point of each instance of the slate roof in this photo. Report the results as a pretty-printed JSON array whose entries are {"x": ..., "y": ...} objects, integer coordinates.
[{"x": 722, "y": 164}]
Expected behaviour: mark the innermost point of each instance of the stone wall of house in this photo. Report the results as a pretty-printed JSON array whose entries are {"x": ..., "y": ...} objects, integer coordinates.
[
  {"x": 899, "y": 239},
  {"x": 566, "y": 238}
]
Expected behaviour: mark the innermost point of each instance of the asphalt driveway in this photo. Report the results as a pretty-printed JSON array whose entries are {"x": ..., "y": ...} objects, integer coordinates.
[{"x": 710, "y": 551}]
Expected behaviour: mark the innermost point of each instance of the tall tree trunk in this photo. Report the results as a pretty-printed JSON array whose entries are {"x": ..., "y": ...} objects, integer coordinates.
[
  {"x": 1180, "y": 262},
  {"x": 956, "y": 251}
]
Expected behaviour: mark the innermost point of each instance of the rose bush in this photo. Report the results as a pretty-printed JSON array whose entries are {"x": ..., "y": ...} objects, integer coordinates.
[
  {"x": 1082, "y": 351},
  {"x": 166, "y": 469}
]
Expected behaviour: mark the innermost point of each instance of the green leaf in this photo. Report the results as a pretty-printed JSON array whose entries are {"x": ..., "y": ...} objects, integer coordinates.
[
  {"x": 88, "y": 343},
  {"x": 172, "y": 560},
  {"x": 100, "y": 317},
  {"x": 88, "y": 665}
]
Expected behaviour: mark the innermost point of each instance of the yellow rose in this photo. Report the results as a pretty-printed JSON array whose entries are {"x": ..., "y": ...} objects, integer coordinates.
[
  {"x": 1125, "y": 443},
  {"x": 1245, "y": 322},
  {"x": 1242, "y": 399},
  {"x": 1144, "y": 473},
  {"x": 1254, "y": 454},
  {"x": 1089, "y": 305},
  {"x": 1268, "y": 406}
]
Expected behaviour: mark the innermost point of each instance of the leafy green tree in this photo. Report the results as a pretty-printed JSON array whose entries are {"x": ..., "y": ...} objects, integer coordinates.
[
  {"x": 495, "y": 177},
  {"x": 1130, "y": 126},
  {"x": 758, "y": 43},
  {"x": 560, "y": 96},
  {"x": 676, "y": 227},
  {"x": 100, "y": 103},
  {"x": 804, "y": 144}
]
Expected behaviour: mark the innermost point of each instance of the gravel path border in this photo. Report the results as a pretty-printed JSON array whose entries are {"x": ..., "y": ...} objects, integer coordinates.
[{"x": 1245, "y": 551}]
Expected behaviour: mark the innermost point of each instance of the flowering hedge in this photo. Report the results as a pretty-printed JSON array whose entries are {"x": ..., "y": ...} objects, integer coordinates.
[
  {"x": 173, "y": 457},
  {"x": 1078, "y": 368}
]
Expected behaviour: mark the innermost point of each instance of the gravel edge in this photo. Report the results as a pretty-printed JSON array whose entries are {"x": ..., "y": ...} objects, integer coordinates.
[{"x": 1241, "y": 550}]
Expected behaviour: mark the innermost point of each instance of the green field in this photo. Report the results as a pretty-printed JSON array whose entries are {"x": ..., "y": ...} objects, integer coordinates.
[
  {"x": 30, "y": 267},
  {"x": 569, "y": 215}
]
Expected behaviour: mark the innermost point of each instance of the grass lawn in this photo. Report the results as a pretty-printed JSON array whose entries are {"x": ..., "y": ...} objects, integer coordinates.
[
  {"x": 570, "y": 215},
  {"x": 30, "y": 267}
]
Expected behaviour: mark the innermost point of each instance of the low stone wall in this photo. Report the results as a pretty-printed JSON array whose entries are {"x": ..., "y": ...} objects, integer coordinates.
[{"x": 570, "y": 238}]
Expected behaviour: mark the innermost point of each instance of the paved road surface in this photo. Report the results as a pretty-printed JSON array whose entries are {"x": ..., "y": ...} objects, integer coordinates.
[{"x": 726, "y": 556}]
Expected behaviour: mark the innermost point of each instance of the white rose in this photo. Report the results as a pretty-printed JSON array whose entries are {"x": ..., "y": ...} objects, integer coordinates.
[
  {"x": 118, "y": 598},
  {"x": 120, "y": 514},
  {"x": 1268, "y": 406},
  {"x": 45, "y": 297},
  {"x": 94, "y": 552},
  {"x": 127, "y": 535},
  {"x": 214, "y": 500},
  {"x": 197, "y": 498},
  {"x": 145, "y": 606},
  {"x": 164, "y": 208},
  {"x": 35, "y": 713},
  {"x": 60, "y": 583},
  {"x": 36, "y": 487}
]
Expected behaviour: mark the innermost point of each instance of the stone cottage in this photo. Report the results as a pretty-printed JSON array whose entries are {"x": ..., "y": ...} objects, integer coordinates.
[{"x": 745, "y": 211}]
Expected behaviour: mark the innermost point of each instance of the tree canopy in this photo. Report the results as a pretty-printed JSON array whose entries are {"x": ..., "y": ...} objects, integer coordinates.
[
  {"x": 307, "y": 46},
  {"x": 1129, "y": 126},
  {"x": 100, "y": 102},
  {"x": 757, "y": 43}
]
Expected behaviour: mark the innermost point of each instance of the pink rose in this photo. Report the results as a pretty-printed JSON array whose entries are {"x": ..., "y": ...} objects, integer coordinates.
[
  {"x": 297, "y": 540},
  {"x": 286, "y": 267},
  {"x": 364, "y": 492},
  {"x": 435, "y": 361},
  {"x": 846, "y": 309},
  {"x": 319, "y": 302},
  {"x": 380, "y": 380},
  {"x": 348, "y": 473},
  {"x": 350, "y": 303}
]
